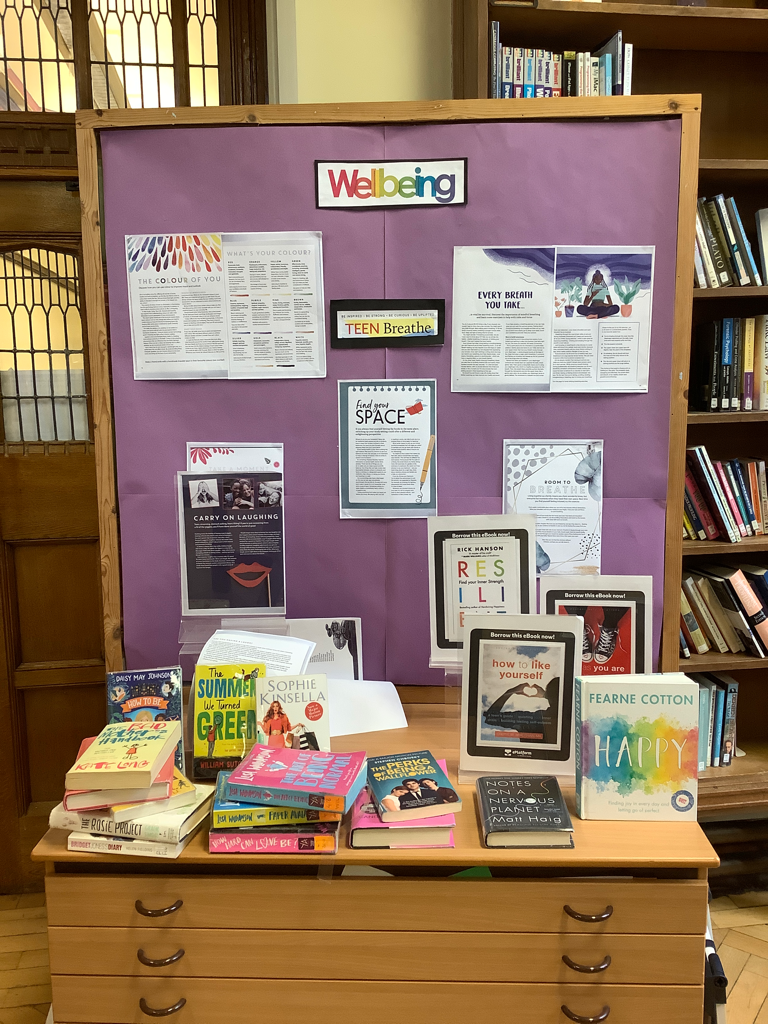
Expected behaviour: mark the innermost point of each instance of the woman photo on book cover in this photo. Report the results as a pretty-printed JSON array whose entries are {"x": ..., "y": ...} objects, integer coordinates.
[
  {"x": 203, "y": 493},
  {"x": 391, "y": 802},
  {"x": 277, "y": 727}
]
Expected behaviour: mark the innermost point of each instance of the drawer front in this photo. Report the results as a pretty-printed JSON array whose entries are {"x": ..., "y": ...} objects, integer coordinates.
[
  {"x": 340, "y": 955},
  {"x": 89, "y": 1000},
  {"x": 372, "y": 904}
]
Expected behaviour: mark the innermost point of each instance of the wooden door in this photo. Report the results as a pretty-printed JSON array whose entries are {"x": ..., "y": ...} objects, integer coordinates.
[{"x": 51, "y": 649}]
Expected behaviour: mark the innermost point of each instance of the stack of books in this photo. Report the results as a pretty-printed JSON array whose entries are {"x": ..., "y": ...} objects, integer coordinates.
[
  {"x": 125, "y": 796},
  {"x": 722, "y": 254},
  {"x": 285, "y": 801},
  {"x": 723, "y": 609},
  {"x": 729, "y": 365},
  {"x": 408, "y": 804},
  {"x": 523, "y": 73},
  {"x": 724, "y": 499},
  {"x": 718, "y": 700}
]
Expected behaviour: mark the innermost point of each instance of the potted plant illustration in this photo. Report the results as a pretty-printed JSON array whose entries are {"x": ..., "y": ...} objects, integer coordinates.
[
  {"x": 626, "y": 290},
  {"x": 571, "y": 288}
]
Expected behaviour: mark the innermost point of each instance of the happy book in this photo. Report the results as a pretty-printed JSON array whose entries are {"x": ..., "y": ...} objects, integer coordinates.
[{"x": 637, "y": 748}]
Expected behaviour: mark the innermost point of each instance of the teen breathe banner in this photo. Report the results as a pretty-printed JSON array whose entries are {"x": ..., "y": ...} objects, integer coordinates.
[{"x": 351, "y": 183}]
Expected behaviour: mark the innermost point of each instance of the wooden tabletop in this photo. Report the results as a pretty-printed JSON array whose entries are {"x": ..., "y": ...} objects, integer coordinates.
[{"x": 613, "y": 845}]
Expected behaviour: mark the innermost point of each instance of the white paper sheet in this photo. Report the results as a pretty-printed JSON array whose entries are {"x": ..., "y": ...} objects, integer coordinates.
[
  {"x": 364, "y": 705},
  {"x": 338, "y": 644},
  {"x": 282, "y": 655}
]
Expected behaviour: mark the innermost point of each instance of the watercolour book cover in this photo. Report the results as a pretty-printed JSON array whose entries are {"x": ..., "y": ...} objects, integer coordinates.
[
  {"x": 225, "y": 718},
  {"x": 617, "y": 613},
  {"x": 320, "y": 838},
  {"x": 637, "y": 748},
  {"x": 410, "y": 786},
  {"x": 517, "y": 694},
  {"x": 478, "y": 565},
  {"x": 292, "y": 711},
  {"x": 146, "y": 695},
  {"x": 125, "y": 755},
  {"x": 298, "y": 778},
  {"x": 523, "y": 811},
  {"x": 229, "y": 815}
]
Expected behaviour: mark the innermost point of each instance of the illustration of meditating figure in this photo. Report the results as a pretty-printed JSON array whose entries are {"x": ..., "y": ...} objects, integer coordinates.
[
  {"x": 600, "y": 648},
  {"x": 597, "y": 302}
]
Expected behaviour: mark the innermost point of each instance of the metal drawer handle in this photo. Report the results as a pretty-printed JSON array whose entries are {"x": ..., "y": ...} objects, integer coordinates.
[
  {"x": 158, "y": 913},
  {"x": 604, "y": 964},
  {"x": 144, "y": 959},
  {"x": 590, "y": 919},
  {"x": 585, "y": 1020},
  {"x": 168, "y": 1010}
]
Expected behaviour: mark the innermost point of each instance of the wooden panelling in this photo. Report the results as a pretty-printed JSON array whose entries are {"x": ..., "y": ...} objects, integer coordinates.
[
  {"x": 56, "y": 719},
  {"x": 57, "y": 589},
  {"x": 38, "y": 143},
  {"x": 216, "y": 1001},
  {"x": 391, "y": 904},
  {"x": 370, "y": 956},
  {"x": 25, "y": 513},
  {"x": 38, "y": 206}
]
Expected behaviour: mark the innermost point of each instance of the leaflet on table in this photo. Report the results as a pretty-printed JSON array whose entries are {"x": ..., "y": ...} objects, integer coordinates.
[
  {"x": 552, "y": 318},
  {"x": 338, "y": 642},
  {"x": 226, "y": 305},
  {"x": 477, "y": 565},
  {"x": 561, "y": 483},
  {"x": 281, "y": 655},
  {"x": 387, "y": 465},
  {"x": 231, "y": 547},
  {"x": 517, "y": 693},
  {"x": 618, "y": 619}
]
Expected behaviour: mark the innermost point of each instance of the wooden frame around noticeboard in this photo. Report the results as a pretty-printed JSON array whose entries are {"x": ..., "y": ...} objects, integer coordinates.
[{"x": 90, "y": 123}]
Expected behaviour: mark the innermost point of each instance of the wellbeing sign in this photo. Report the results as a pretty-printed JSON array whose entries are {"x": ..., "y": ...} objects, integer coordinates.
[{"x": 366, "y": 184}]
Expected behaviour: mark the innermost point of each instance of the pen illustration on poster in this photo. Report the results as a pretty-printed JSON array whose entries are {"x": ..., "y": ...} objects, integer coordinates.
[
  {"x": 387, "y": 466},
  {"x": 561, "y": 483}
]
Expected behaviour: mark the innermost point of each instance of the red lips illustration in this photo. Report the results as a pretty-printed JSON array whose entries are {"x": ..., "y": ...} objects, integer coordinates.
[{"x": 249, "y": 575}]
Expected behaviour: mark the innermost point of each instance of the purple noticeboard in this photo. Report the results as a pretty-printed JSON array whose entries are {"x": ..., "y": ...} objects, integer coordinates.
[{"x": 545, "y": 183}]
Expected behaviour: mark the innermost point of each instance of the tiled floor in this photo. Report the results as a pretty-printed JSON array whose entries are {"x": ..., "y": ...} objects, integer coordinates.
[
  {"x": 740, "y": 926},
  {"x": 25, "y": 981}
]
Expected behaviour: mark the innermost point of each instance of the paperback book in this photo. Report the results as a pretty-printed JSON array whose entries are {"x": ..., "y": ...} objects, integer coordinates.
[
  {"x": 298, "y": 778},
  {"x": 146, "y": 695},
  {"x": 125, "y": 847},
  {"x": 477, "y": 565},
  {"x": 410, "y": 786},
  {"x": 320, "y": 838},
  {"x": 292, "y": 711},
  {"x": 225, "y": 718},
  {"x": 99, "y": 799},
  {"x": 368, "y": 831},
  {"x": 523, "y": 811},
  {"x": 637, "y": 748},
  {"x": 229, "y": 815},
  {"x": 517, "y": 693},
  {"x": 125, "y": 755}
]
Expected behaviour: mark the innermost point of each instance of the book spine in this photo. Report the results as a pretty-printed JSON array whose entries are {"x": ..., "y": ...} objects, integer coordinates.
[
  {"x": 684, "y": 648},
  {"x": 282, "y": 797},
  {"x": 717, "y": 734},
  {"x": 697, "y": 498},
  {"x": 762, "y": 479},
  {"x": 693, "y": 517},
  {"x": 751, "y": 471},
  {"x": 570, "y": 87},
  {"x": 700, "y": 276},
  {"x": 579, "y": 74},
  {"x": 742, "y": 275},
  {"x": 760, "y": 392},
  {"x": 539, "y": 79},
  {"x": 688, "y": 531},
  {"x": 628, "y": 59},
  {"x": 580, "y": 803},
  {"x": 721, "y": 267},
  {"x": 518, "y": 72},
  {"x": 495, "y": 55},
  {"x": 761, "y": 221},
  {"x": 703, "y": 720},
  {"x": 703, "y": 616},
  {"x": 547, "y": 74},
  {"x": 751, "y": 604},
  {"x": 529, "y": 76},
  {"x": 693, "y": 633},
  {"x": 736, "y": 491},
  {"x": 730, "y": 498},
  {"x": 728, "y": 748},
  {"x": 135, "y": 848},
  {"x": 726, "y": 363},
  {"x": 719, "y": 493},
  {"x": 557, "y": 74},
  {"x": 744, "y": 246},
  {"x": 698, "y": 466},
  {"x": 743, "y": 486},
  {"x": 602, "y": 81},
  {"x": 706, "y": 255},
  {"x": 105, "y": 825},
  {"x": 718, "y": 613},
  {"x": 711, "y": 725},
  {"x": 722, "y": 243},
  {"x": 595, "y": 85},
  {"x": 270, "y": 842},
  {"x": 507, "y": 66},
  {"x": 737, "y": 368},
  {"x": 749, "y": 362}
]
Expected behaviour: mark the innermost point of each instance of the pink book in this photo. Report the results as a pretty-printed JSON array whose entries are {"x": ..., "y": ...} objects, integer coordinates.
[
  {"x": 97, "y": 799},
  {"x": 701, "y": 507},
  {"x": 323, "y": 838},
  {"x": 751, "y": 604},
  {"x": 298, "y": 778},
  {"x": 721, "y": 475},
  {"x": 368, "y": 831}
]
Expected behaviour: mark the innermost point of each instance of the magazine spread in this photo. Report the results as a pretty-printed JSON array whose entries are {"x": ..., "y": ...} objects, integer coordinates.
[
  {"x": 517, "y": 694},
  {"x": 478, "y": 565}
]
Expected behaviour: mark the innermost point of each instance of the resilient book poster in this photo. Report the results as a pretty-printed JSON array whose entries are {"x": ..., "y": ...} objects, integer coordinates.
[
  {"x": 517, "y": 693},
  {"x": 387, "y": 434},
  {"x": 561, "y": 484},
  {"x": 478, "y": 565},
  {"x": 618, "y": 616}
]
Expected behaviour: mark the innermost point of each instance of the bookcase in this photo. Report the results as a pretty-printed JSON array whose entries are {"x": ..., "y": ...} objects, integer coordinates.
[{"x": 720, "y": 52}]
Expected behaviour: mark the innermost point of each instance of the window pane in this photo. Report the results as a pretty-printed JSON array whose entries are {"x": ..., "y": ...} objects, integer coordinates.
[
  {"x": 203, "y": 53},
  {"x": 131, "y": 53},
  {"x": 37, "y": 69}
]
